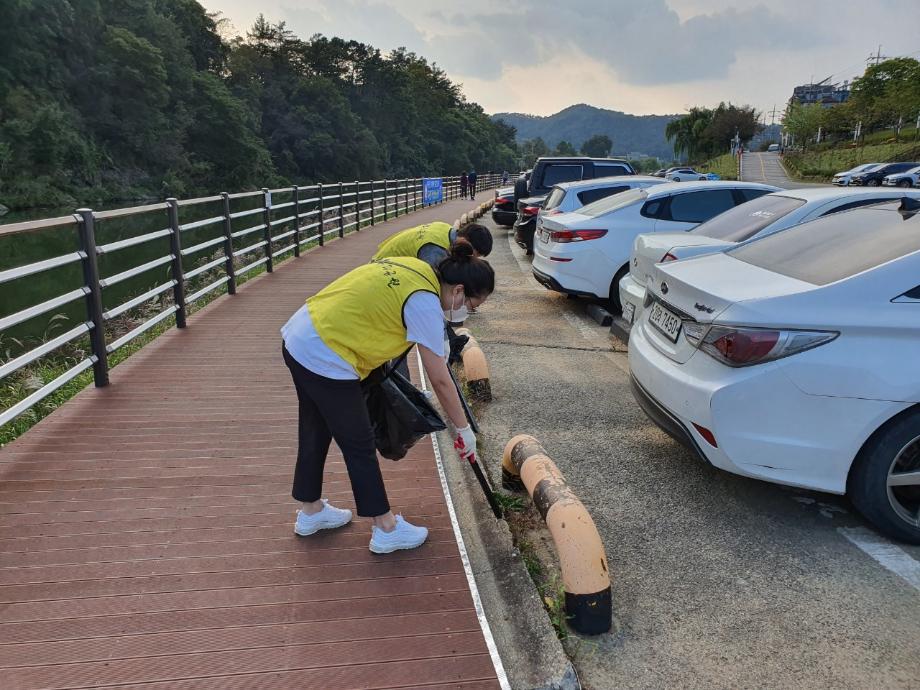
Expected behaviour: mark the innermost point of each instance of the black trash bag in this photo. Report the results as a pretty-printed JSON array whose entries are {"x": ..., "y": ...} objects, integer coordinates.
[
  {"x": 456, "y": 344},
  {"x": 400, "y": 413}
]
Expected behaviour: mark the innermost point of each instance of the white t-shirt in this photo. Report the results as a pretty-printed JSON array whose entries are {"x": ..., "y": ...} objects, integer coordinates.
[{"x": 424, "y": 325}]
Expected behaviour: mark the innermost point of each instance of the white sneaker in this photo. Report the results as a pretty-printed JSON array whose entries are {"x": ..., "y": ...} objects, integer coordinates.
[
  {"x": 329, "y": 517},
  {"x": 404, "y": 536}
]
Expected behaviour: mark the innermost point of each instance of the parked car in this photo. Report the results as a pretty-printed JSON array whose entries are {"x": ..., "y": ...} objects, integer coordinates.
[
  {"x": 843, "y": 178},
  {"x": 908, "y": 178},
  {"x": 660, "y": 172},
  {"x": 793, "y": 359},
  {"x": 570, "y": 196},
  {"x": 503, "y": 209},
  {"x": 530, "y": 193},
  {"x": 679, "y": 174},
  {"x": 586, "y": 252},
  {"x": 773, "y": 148},
  {"x": 758, "y": 218},
  {"x": 874, "y": 177}
]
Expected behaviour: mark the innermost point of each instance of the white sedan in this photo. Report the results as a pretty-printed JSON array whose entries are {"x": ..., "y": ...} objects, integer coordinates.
[
  {"x": 755, "y": 219},
  {"x": 793, "y": 359},
  {"x": 587, "y": 252},
  {"x": 685, "y": 174},
  {"x": 910, "y": 178},
  {"x": 842, "y": 179}
]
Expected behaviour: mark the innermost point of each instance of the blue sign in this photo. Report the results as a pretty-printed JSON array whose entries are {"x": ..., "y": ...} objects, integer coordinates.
[
  {"x": 712, "y": 176},
  {"x": 433, "y": 191}
]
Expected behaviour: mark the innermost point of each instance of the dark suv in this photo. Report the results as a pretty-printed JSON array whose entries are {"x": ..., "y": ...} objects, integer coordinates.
[
  {"x": 530, "y": 193},
  {"x": 873, "y": 178}
]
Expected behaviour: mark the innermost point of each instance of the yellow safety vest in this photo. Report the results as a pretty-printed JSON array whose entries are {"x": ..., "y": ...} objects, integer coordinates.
[
  {"x": 409, "y": 242},
  {"x": 360, "y": 315}
]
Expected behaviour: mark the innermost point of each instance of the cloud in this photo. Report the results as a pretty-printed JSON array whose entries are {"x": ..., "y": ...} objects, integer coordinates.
[{"x": 642, "y": 42}]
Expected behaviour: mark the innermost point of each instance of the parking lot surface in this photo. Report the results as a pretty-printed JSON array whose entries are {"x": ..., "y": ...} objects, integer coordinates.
[{"x": 718, "y": 580}]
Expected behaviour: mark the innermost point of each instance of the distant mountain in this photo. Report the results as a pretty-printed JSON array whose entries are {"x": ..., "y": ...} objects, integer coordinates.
[{"x": 630, "y": 133}]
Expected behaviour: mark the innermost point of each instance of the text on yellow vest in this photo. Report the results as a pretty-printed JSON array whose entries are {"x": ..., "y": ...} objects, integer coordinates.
[
  {"x": 408, "y": 242},
  {"x": 360, "y": 315}
]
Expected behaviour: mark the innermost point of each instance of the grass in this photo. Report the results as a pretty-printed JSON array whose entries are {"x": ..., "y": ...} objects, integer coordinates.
[
  {"x": 822, "y": 163},
  {"x": 29, "y": 379},
  {"x": 726, "y": 167}
]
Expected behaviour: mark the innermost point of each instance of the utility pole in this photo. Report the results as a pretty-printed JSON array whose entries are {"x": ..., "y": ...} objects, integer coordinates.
[
  {"x": 878, "y": 57},
  {"x": 773, "y": 115}
]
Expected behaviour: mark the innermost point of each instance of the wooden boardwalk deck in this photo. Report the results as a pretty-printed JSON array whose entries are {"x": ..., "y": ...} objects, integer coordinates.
[{"x": 146, "y": 528}]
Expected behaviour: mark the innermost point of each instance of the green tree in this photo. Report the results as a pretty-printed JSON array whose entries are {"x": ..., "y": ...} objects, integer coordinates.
[
  {"x": 564, "y": 148},
  {"x": 598, "y": 146}
]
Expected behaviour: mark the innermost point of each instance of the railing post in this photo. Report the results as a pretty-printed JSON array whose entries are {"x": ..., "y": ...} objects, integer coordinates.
[
  {"x": 267, "y": 231},
  {"x": 87, "y": 234},
  {"x": 407, "y": 195},
  {"x": 295, "y": 190},
  {"x": 373, "y": 208},
  {"x": 386, "y": 210},
  {"x": 322, "y": 219},
  {"x": 341, "y": 217},
  {"x": 228, "y": 245},
  {"x": 415, "y": 183},
  {"x": 358, "y": 205},
  {"x": 175, "y": 247}
]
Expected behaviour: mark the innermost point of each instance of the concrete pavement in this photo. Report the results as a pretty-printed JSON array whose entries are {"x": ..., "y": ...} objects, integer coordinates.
[
  {"x": 768, "y": 168},
  {"x": 718, "y": 581}
]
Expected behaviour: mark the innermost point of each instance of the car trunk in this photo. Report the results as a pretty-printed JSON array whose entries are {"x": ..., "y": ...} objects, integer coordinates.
[
  {"x": 698, "y": 291},
  {"x": 650, "y": 249}
]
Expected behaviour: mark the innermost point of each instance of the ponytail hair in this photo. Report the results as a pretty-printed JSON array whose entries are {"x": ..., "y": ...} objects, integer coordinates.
[{"x": 462, "y": 268}]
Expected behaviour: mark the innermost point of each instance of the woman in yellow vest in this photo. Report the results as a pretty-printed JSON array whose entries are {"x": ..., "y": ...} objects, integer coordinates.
[
  {"x": 431, "y": 242},
  {"x": 369, "y": 316}
]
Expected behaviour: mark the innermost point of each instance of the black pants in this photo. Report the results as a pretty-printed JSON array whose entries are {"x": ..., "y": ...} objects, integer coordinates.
[{"x": 332, "y": 409}]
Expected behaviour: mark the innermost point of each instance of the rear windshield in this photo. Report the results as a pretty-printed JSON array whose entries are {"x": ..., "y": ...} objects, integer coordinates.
[
  {"x": 554, "y": 174},
  {"x": 745, "y": 221},
  {"x": 554, "y": 199},
  {"x": 609, "y": 170},
  {"x": 612, "y": 203},
  {"x": 837, "y": 247}
]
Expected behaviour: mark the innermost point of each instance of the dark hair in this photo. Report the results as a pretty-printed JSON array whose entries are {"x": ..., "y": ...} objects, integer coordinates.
[
  {"x": 478, "y": 236},
  {"x": 462, "y": 268}
]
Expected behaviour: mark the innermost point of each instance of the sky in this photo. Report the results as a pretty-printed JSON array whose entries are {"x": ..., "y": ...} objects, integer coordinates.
[{"x": 637, "y": 56}]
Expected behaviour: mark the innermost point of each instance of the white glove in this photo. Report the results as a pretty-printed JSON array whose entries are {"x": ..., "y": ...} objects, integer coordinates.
[{"x": 465, "y": 442}]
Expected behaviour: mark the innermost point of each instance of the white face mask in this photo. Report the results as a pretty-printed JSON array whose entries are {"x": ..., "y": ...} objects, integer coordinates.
[{"x": 458, "y": 314}]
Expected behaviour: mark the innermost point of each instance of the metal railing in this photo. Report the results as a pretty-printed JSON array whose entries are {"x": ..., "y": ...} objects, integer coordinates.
[{"x": 211, "y": 242}]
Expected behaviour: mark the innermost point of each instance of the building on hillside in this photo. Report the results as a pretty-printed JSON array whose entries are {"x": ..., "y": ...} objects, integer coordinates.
[{"x": 823, "y": 93}]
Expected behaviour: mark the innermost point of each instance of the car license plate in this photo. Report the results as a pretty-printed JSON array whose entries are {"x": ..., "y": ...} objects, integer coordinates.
[
  {"x": 629, "y": 310},
  {"x": 665, "y": 321}
]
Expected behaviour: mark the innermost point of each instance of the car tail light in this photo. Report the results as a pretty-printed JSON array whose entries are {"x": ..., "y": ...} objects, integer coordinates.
[
  {"x": 667, "y": 257},
  {"x": 552, "y": 212},
  {"x": 503, "y": 200},
  {"x": 563, "y": 236},
  {"x": 742, "y": 347},
  {"x": 530, "y": 210}
]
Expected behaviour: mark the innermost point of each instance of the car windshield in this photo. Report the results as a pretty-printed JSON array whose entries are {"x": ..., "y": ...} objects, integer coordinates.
[
  {"x": 554, "y": 199},
  {"x": 914, "y": 171},
  {"x": 837, "y": 247},
  {"x": 745, "y": 221},
  {"x": 612, "y": 203},
  {"x": 868, "y": 168}
]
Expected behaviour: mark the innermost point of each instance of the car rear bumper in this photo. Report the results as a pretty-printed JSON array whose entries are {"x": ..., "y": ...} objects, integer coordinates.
[
  {"x": 764, "y": 426},
  {"x": 631, "y": 292},
  {"x": 666, "y": 421},
  {"x": 551, "y": 283},
  {"x": 503, "y": 217}
]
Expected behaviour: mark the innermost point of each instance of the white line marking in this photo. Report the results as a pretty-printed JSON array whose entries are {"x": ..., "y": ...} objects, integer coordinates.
[
  {"x": 464, "y": 557},
  {"x": 885, "y": 553}
]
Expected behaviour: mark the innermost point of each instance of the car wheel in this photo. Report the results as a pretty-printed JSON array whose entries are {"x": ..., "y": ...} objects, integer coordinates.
[
  {"x": 675, "y": 179},
  {"x": 885, "y": 481},
  {"x": 904, "y": 183},
  {"x": 872, "y": 183},
  {"x": 614, "y": 296}
]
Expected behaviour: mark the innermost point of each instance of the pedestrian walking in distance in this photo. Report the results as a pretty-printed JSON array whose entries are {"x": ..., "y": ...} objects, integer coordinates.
[
  {"x": 472, "y": 182},
  {"x": 463, "y": 185},
  {"x": 366, "y": 317}
]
